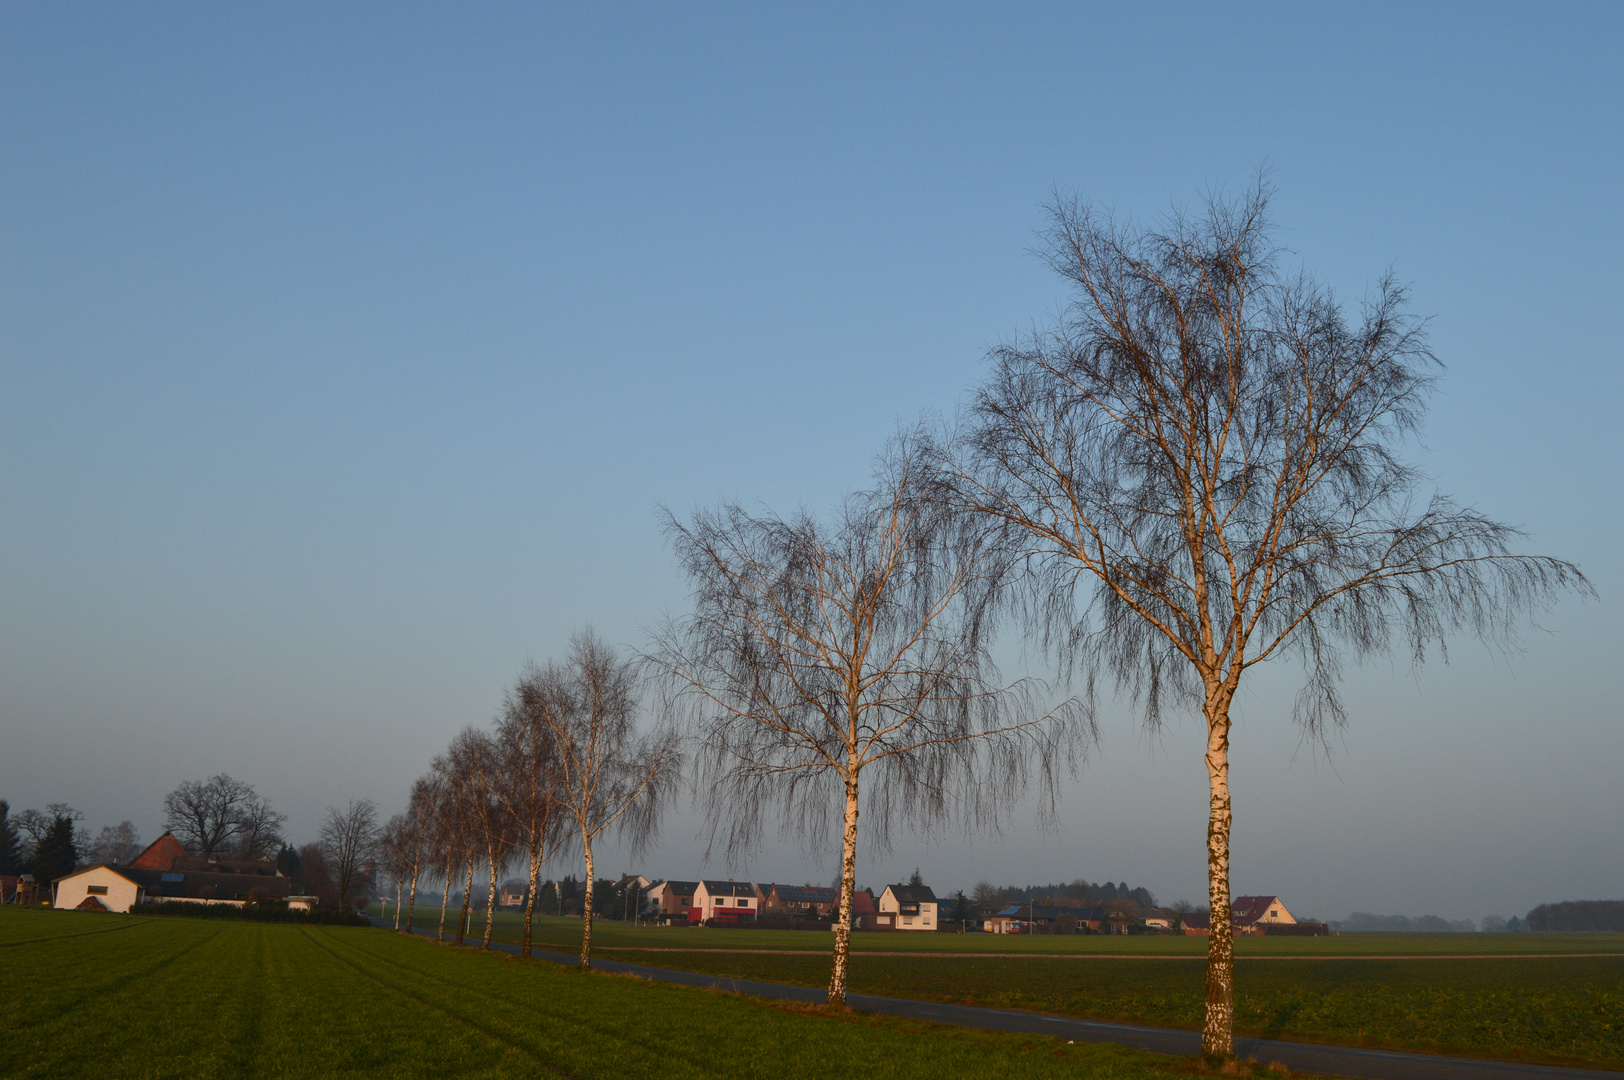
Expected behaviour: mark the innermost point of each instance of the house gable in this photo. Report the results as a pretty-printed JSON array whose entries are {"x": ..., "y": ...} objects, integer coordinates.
[
  {"x": 160, "y": 854},
  {"x": 1249, "y": 910}
]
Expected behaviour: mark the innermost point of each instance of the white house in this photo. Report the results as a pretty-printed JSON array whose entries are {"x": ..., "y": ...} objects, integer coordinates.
[
  {"x": 907, "y": 907},
  {"x": 727, "y": 900},
  {"x": 96, "y": 888}
]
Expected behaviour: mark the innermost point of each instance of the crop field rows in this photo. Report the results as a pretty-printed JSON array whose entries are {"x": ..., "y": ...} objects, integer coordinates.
[
  {"x": 127, "y": 996},
  {"x": 1509, "y": 998}
]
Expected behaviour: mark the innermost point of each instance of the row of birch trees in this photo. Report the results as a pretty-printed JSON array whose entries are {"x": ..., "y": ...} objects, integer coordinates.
[
  {"x": 565, "y": 763},
  {"x": 1196, "y": 468}
]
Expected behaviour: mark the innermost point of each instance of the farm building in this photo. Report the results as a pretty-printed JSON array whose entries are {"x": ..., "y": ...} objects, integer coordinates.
[
  {"x": 907, "y": 907},
  {"x": 97, "y": 888}
]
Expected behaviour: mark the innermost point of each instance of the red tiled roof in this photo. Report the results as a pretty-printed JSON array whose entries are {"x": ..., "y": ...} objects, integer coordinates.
[{"x": 160, "y": 854}]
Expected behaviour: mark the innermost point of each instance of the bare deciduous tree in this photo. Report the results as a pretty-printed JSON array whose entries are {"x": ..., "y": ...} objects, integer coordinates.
[
  {"x": 491, "y": 826},
  {"x": 1202, "y": 460},
  {"x": 115, "y": 844},
  {"x": 848, "y": 665},
  {"x": 417, "y": 839},
  {"x": 449, "y": 835},
  {"x": 349, "y": 841},
  {"x": 220, "y": 814},
  {"x": 530, "y": 779},
  {"x": 609, "y": 775}
]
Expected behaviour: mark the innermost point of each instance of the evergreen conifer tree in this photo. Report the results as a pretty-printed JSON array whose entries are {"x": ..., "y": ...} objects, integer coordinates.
[
  {"x": 10, "y": 854},
  {"x": 58, "y": 851}
]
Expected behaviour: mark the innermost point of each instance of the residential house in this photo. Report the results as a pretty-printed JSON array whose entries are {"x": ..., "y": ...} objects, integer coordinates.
[
  {"x": 865, "y": 914},
  {"x": 1021, "y": 918},
  {"x": 672, "y": 900},
  {"x": 907, "y": 907},
  {"x": 1064, "y": 918},
  {"x": 724, "y": 901},
  {"x": 790, "y": 901},
  {"x": 1260, "y": 915},
  {"x": 1250, "y": 913},
  {"x": 1157, "y": 918},
  {"x": 512, "y": 894}
]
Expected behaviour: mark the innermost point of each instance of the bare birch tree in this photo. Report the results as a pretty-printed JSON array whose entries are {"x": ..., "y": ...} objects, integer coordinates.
[
  {"x": 418, "y": 838},
  {"x": 609, "y": 775},
  {"x": 450, "y": 831},
  {"x": 1202, "y": 460},
  {"x": 848, "y": 665},
  {"x": 529, "y": 787},
  {"x": 476, "y": 754},
  {"x": 403, "y": 847}
]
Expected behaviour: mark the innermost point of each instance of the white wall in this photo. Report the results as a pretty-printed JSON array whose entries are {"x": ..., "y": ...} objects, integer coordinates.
[{"x": 71, "y": 891}]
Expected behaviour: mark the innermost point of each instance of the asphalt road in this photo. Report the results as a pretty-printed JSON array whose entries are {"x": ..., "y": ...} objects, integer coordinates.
[{"x": 1300, "y": 1057}]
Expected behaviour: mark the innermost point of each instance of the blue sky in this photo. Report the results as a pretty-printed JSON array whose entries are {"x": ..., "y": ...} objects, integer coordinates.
[{"x": 347, "y": 354}]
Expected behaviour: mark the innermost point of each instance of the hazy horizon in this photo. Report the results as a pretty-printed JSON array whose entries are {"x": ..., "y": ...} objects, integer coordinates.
[{"x": 349, "y": 352}]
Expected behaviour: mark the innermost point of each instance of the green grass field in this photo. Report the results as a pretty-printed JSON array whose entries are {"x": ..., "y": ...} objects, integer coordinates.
[
  {"x": 145, "y": 997},
  {"x": 1479, "y": 995}
]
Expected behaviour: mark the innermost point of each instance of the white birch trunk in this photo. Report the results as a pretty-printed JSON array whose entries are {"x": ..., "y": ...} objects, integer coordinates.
[
  {"x": 467, "y": 898},
  {"x": 490, "y": 903},
  {"x": 848, "y": 885},
  {"x": 411, "y": 900},
  {"x": 586, "y": 907},
  {"x": 445, "y": 901},
  {"x": 1218, "y": 1030},
  {"x": 530, "y": 899}
]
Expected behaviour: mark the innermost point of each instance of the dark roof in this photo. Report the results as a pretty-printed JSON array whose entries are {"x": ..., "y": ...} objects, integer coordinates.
[
  {"x": 192, "y": 864},
  {"x": 1249, "y": 909},
  {"x": 681, "y": 888},
  {"x": 1040, "y": 912},
  {"x": 913, "y": 894},
  {"x": 803, "y": 894},
  {"x": 194, "y": 885},
  {"x": 1198, "y": 920},
  {"x": 729, "y": 888}
]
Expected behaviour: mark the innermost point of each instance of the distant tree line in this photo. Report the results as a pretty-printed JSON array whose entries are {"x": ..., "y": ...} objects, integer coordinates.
[
  {"x": 988, "y": 897},
  {"x": 1579, "y": 915},
  {"x": 1364, "y": 921}
]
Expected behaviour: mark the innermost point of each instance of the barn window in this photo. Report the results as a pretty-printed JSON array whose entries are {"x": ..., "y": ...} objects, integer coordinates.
[{"x": 96, "y": 890}]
